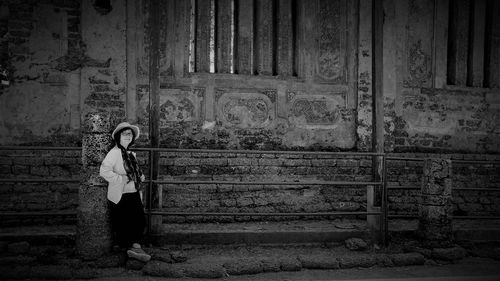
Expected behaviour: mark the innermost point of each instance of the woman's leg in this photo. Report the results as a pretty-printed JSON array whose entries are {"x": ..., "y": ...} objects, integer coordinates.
[{"x": 138, "y": 222}]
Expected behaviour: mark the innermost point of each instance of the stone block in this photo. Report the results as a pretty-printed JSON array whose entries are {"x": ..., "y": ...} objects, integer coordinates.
[
  {"x": 52, "y": 272},
  {"x": 270, "y": 265},
  {"x": 18, "y": 247},
  {"x": 133, "y": 264},
  {"x": 115, "y": 260},
  {"x": 94, "y": 148},
  {"x": 435, "y": 214},
  {"x": 16, "y": 273},
  {"x": 356, "y": 244},
  {"x": 357, "y": 261},
  {"x": 449, "y": 254},
  {"x": 407, "y": 259},
  {"x": 243, "y": 266},
  {"x": 204, "y": 270},
  {"x": 318, "y": 262},
  {"x": 437, "y": 232},
  {"x": 17, "y": 260},
  {"x": 163, "y": 269},
  {"x": 435, "y": 200},
  {"x": 384, "y": 260},
  {"x": 432, "y": 187},
  {"x": 290, "y": 264},
  {"x": 162, "y": 256},
  {"x": 178, "y": 256},
  {"x": 97, "y": 122}
]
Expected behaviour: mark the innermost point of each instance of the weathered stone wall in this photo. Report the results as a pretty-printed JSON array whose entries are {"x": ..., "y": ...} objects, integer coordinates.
[
  {"x": 464, "y": 175},
  {"x": 447, "y": 120},
  {"x": 42, "y": 51},
  {"x": 439, "y": 93},
  {"x": 261, "y": 198},
  {"x": 20, "y": 197},
  {"x": 39, "y": 197}
]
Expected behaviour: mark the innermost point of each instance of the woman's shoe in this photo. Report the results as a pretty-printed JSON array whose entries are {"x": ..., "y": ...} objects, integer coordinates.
[{"x": 138, "y": 254}]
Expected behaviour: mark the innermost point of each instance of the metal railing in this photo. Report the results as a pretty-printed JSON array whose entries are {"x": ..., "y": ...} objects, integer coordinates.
[
  {"x": 150, "y": 211},
  {"x": 414, "y": 187}
]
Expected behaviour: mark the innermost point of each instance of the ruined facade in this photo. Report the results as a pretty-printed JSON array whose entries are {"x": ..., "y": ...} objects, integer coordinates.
[{"x": 254, "y": 75}]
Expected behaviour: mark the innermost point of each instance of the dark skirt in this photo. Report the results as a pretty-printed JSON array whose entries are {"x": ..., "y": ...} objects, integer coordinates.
[{"x": 127, "y": 220}]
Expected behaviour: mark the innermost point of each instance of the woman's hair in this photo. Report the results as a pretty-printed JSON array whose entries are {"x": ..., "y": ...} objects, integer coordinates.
[{"x": 117, "y": 137}]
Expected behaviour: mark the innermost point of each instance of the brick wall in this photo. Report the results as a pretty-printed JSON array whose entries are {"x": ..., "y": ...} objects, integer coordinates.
[
  {"x": 261, "y": 198},
  {"x": 39, "y": 197},
  {"x": 273, "y": 167},
  {"x": 465, "y": 175}
]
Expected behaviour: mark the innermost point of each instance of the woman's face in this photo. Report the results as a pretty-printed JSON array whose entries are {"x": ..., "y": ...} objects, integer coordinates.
[{"x": 126, "y": 137}]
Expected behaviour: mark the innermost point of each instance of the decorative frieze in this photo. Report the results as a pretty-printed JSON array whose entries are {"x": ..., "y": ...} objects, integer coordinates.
[{"x": 246, "y": 109}]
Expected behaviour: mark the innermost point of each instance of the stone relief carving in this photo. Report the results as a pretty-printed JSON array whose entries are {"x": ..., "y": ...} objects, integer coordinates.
[
  {"x": 315, "y": 111},
  {"x": 181, "y": 105},
  {"x": 246, "y": 110},
  {"x": 331, "y": 41}
]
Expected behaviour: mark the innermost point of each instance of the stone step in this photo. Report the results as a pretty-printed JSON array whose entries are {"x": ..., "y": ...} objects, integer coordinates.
[
  {"x": 286, "y": 232},
  {"x": 275, "y": 232},
  {"x": 40, "y": 235}
]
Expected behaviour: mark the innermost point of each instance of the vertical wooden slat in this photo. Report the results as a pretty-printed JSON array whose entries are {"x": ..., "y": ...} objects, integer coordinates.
[
  {"x": 458, "y": 42},
  {"x": 202, "y": 52},
  {"x": 223, "y": 23},
  {"x": 244, "y": 45},
  {"x": 306, "y": 46},
  {"x": 132, "y": 15},
  {"x": 440, "y": 42},
  {"x": 166, "y": 37},
  {"x": 475, "y": 76},
  {"x": 181, "y": 53},
  {"x": 154, "y": 96},
  {"x": 492, "y": 59},
  {"x": 352, "y": 47},
  {"x": 419, "y": 46},
  {"x": 264, "y": 36},
  {"x": 285, "y": 38}
]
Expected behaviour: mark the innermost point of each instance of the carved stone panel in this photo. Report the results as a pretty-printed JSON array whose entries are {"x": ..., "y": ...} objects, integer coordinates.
[
  {"x": 318, "y": 111},
  {"x": 244, "y": 109},
  {"x": 181, "y": 105},
  {"x": 331, "y": 60}
]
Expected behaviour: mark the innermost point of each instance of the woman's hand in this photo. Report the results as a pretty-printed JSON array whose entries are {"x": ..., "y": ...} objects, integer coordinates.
[{"x": 143, "y": 178}]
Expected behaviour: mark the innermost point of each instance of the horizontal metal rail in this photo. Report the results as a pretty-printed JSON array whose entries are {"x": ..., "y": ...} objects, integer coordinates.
[
  {"x": 39, "y": 148},
  {"x": 486, "y": 162},
  {"x": 243, "y": 151},
  {"x": 476, "y": 189},
  {"x": 404, "y": 158},
  {"x": 453, "y": 217},
  {"x": 267, "y": 182},
  {"x": 477, "y": 217},
  {"x": 412, "y": 187},
  {"x": 403, "y": 216},
  {"x": 403, "y": 187},
  {"x": 17, "y": 180},
  {"x": 35, "y": 213},
  {"x": 166, "y": 213}
]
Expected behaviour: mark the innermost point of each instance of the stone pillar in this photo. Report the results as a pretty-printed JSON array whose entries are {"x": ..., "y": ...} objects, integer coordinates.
[
  {"x": 435, "y": 207},
  {"x": 93, "y": 229}
]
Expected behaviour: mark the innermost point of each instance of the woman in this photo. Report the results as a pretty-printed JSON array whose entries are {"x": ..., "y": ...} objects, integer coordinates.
[{"x": 120, "y": 169}]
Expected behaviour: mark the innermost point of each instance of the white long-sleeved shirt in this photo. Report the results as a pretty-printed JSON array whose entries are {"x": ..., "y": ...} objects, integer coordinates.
[{"x": 113, "y": 171}]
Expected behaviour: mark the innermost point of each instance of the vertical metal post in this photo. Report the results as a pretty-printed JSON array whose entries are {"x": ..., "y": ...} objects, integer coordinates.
[
  {"x": 385, "y": 209},
  {"x": 154, "y": 95},
  {"x": 150, "y": 195}
]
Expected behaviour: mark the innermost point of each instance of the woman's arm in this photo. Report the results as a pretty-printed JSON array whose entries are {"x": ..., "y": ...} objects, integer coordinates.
[{"x": 106, "y": 171}]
